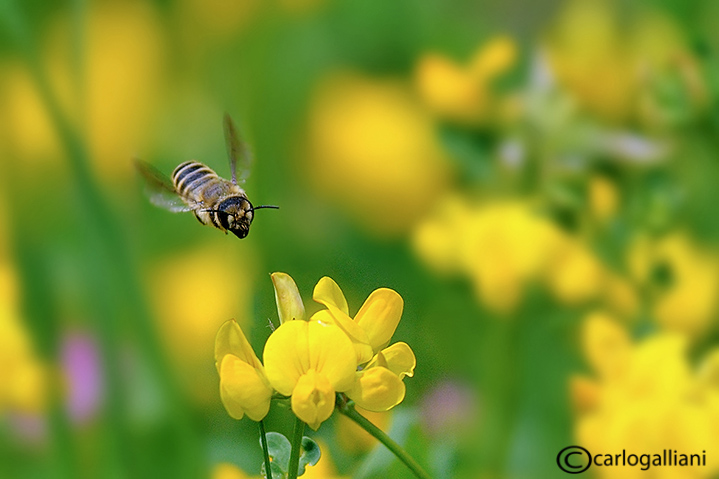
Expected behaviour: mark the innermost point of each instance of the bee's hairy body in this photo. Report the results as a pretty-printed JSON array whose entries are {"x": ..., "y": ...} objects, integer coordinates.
[{"x": 215, "y": 201}]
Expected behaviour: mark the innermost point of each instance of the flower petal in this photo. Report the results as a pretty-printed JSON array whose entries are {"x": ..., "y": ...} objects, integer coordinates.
[
  {"x": 287, "y": 297},
  {"x": 379, "y": 316},
  {"x": 243, "y": 389},
  {"x": 313, "y": 399},
  {"x": 377, "y": 389},
  {"x": 285, "y": 356},
  {"x": 231, "y": 340},
  {"x": 357, "y": 336},
  {"x": 400, "y": 359},
  {"x": 327, "y": 292},
  {"x": 298, "y": 346},
  {"x": 332, "y": 355}
]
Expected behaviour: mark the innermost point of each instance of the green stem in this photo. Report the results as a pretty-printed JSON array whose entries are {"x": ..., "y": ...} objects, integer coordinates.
[
  {"x": 347, "y": 408},
  {"x": 263, "y": 440},
  {"x": 296, "y": 446}
]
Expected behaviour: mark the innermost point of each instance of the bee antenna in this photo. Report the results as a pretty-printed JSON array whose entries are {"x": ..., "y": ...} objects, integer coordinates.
[{"x": 265, "y": 206}]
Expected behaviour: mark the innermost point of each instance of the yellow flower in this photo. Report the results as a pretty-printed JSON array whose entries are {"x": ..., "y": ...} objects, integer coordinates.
[
  {"x": 374, "y": 151},
  {"x": 494, "y": 58},
  {"x": 603, "y": 198},
  {"x": 590, "y": 58},
  {"x": 449, "y": 90},
  {"x": 646, "y": 398},
  {"x": 379, "y": 385},
  {"x": 243, "y": 384},
  {"x": 682, "y": 277},
  {"x": 575, "y": 275},
  {"x": 500, "y": 246},
  {"x": 463, "y": 93},
  {"x": 195, "y": 293},
  {"x": 310, "y": 361},
  {"x": 373, "y": 325}
]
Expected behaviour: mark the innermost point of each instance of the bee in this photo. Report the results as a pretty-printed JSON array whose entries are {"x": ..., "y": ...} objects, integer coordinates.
[{"x": 195, "y": 187}]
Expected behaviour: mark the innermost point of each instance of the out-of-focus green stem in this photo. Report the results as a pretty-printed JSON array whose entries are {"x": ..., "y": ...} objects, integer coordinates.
[
  {"x": 265, "y": 450},
  {"x": 347, "y": 408},
  {"x": 296, "y": 446}
]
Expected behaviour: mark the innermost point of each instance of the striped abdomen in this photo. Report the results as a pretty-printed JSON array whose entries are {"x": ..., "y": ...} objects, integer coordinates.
[{"x": 190, "y": 178}]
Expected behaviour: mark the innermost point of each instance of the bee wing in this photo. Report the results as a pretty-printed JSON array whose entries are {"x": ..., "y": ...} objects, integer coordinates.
[
  {"x": 238, "y": 152},
  {"x": 159, "y": 188}
]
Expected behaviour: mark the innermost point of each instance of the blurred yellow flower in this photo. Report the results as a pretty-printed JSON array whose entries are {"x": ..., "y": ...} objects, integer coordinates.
[
  {"x": 645, "y": 399},
  {"x": 310, "y": 361},
  {"x": 195, "y": 292},
  {"x": 110, "y": 99},
  {"x": 504, "y": 245},
  {"x": 23, "y": 377},
  {"x": 591, "y": 59},
  {"x": 374, "y": 151},
  {"x": 682, "y": 279},
  {"x": 494, "y": 58},
  {"x": 449, "y": 90},
  {"x": 353, "y": 438},
  {"x": 325, "y": 468},
  {"x": 611, "y": 62},
  {"x": 603, "y": 198},
  {"x": 464, "y": 93},
  {"x": 244, "y": 388},
  {"x": 576, "y": 275},
  {"x": 500, "y": 245},
  {"x": 203, "y": 23},
  {"x": 27, "y": 129},
  {"x": 226, "y": 470}
]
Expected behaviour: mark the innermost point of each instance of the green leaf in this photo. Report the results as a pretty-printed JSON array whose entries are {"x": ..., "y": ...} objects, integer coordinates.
[
  {"x": 310, "y": 454},
  {"x": 279, "y": 448}
]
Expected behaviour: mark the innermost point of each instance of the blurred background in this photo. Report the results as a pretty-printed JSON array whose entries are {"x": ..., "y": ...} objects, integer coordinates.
[{"x": 536, "y": 179}]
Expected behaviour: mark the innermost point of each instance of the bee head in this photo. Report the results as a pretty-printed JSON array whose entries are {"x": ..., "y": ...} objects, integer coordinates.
[{"x": 235, "y": 215}]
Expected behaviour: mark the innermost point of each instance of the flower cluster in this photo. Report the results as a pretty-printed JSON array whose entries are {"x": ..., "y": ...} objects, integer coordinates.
[
  {"x": 503, "y": 245},
  {"x": 645, "y": 396},
  {"x": 312, "y": 360}
]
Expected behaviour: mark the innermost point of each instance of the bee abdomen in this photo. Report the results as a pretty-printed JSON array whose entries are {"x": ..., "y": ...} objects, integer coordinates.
[{"x": 190, "y": 176}]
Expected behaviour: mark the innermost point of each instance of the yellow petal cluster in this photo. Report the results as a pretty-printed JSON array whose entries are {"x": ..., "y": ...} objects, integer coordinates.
[
  {"x": 310, "y": 361},
  {"x": 378, "y": 385},
  {"x": 682, "y": 278},
  {"x": 463, "y": 93},
  {"x": 612, "y": 62},
  {"x": 502, "y": 245},
  {"x": 374, "y": 152},
  {"x": 244, "y": 388},
  {"x": 646, "y": 396}
]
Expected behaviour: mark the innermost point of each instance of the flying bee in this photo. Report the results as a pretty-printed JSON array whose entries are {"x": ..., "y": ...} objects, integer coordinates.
[{"x": 195, "y": 187}]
